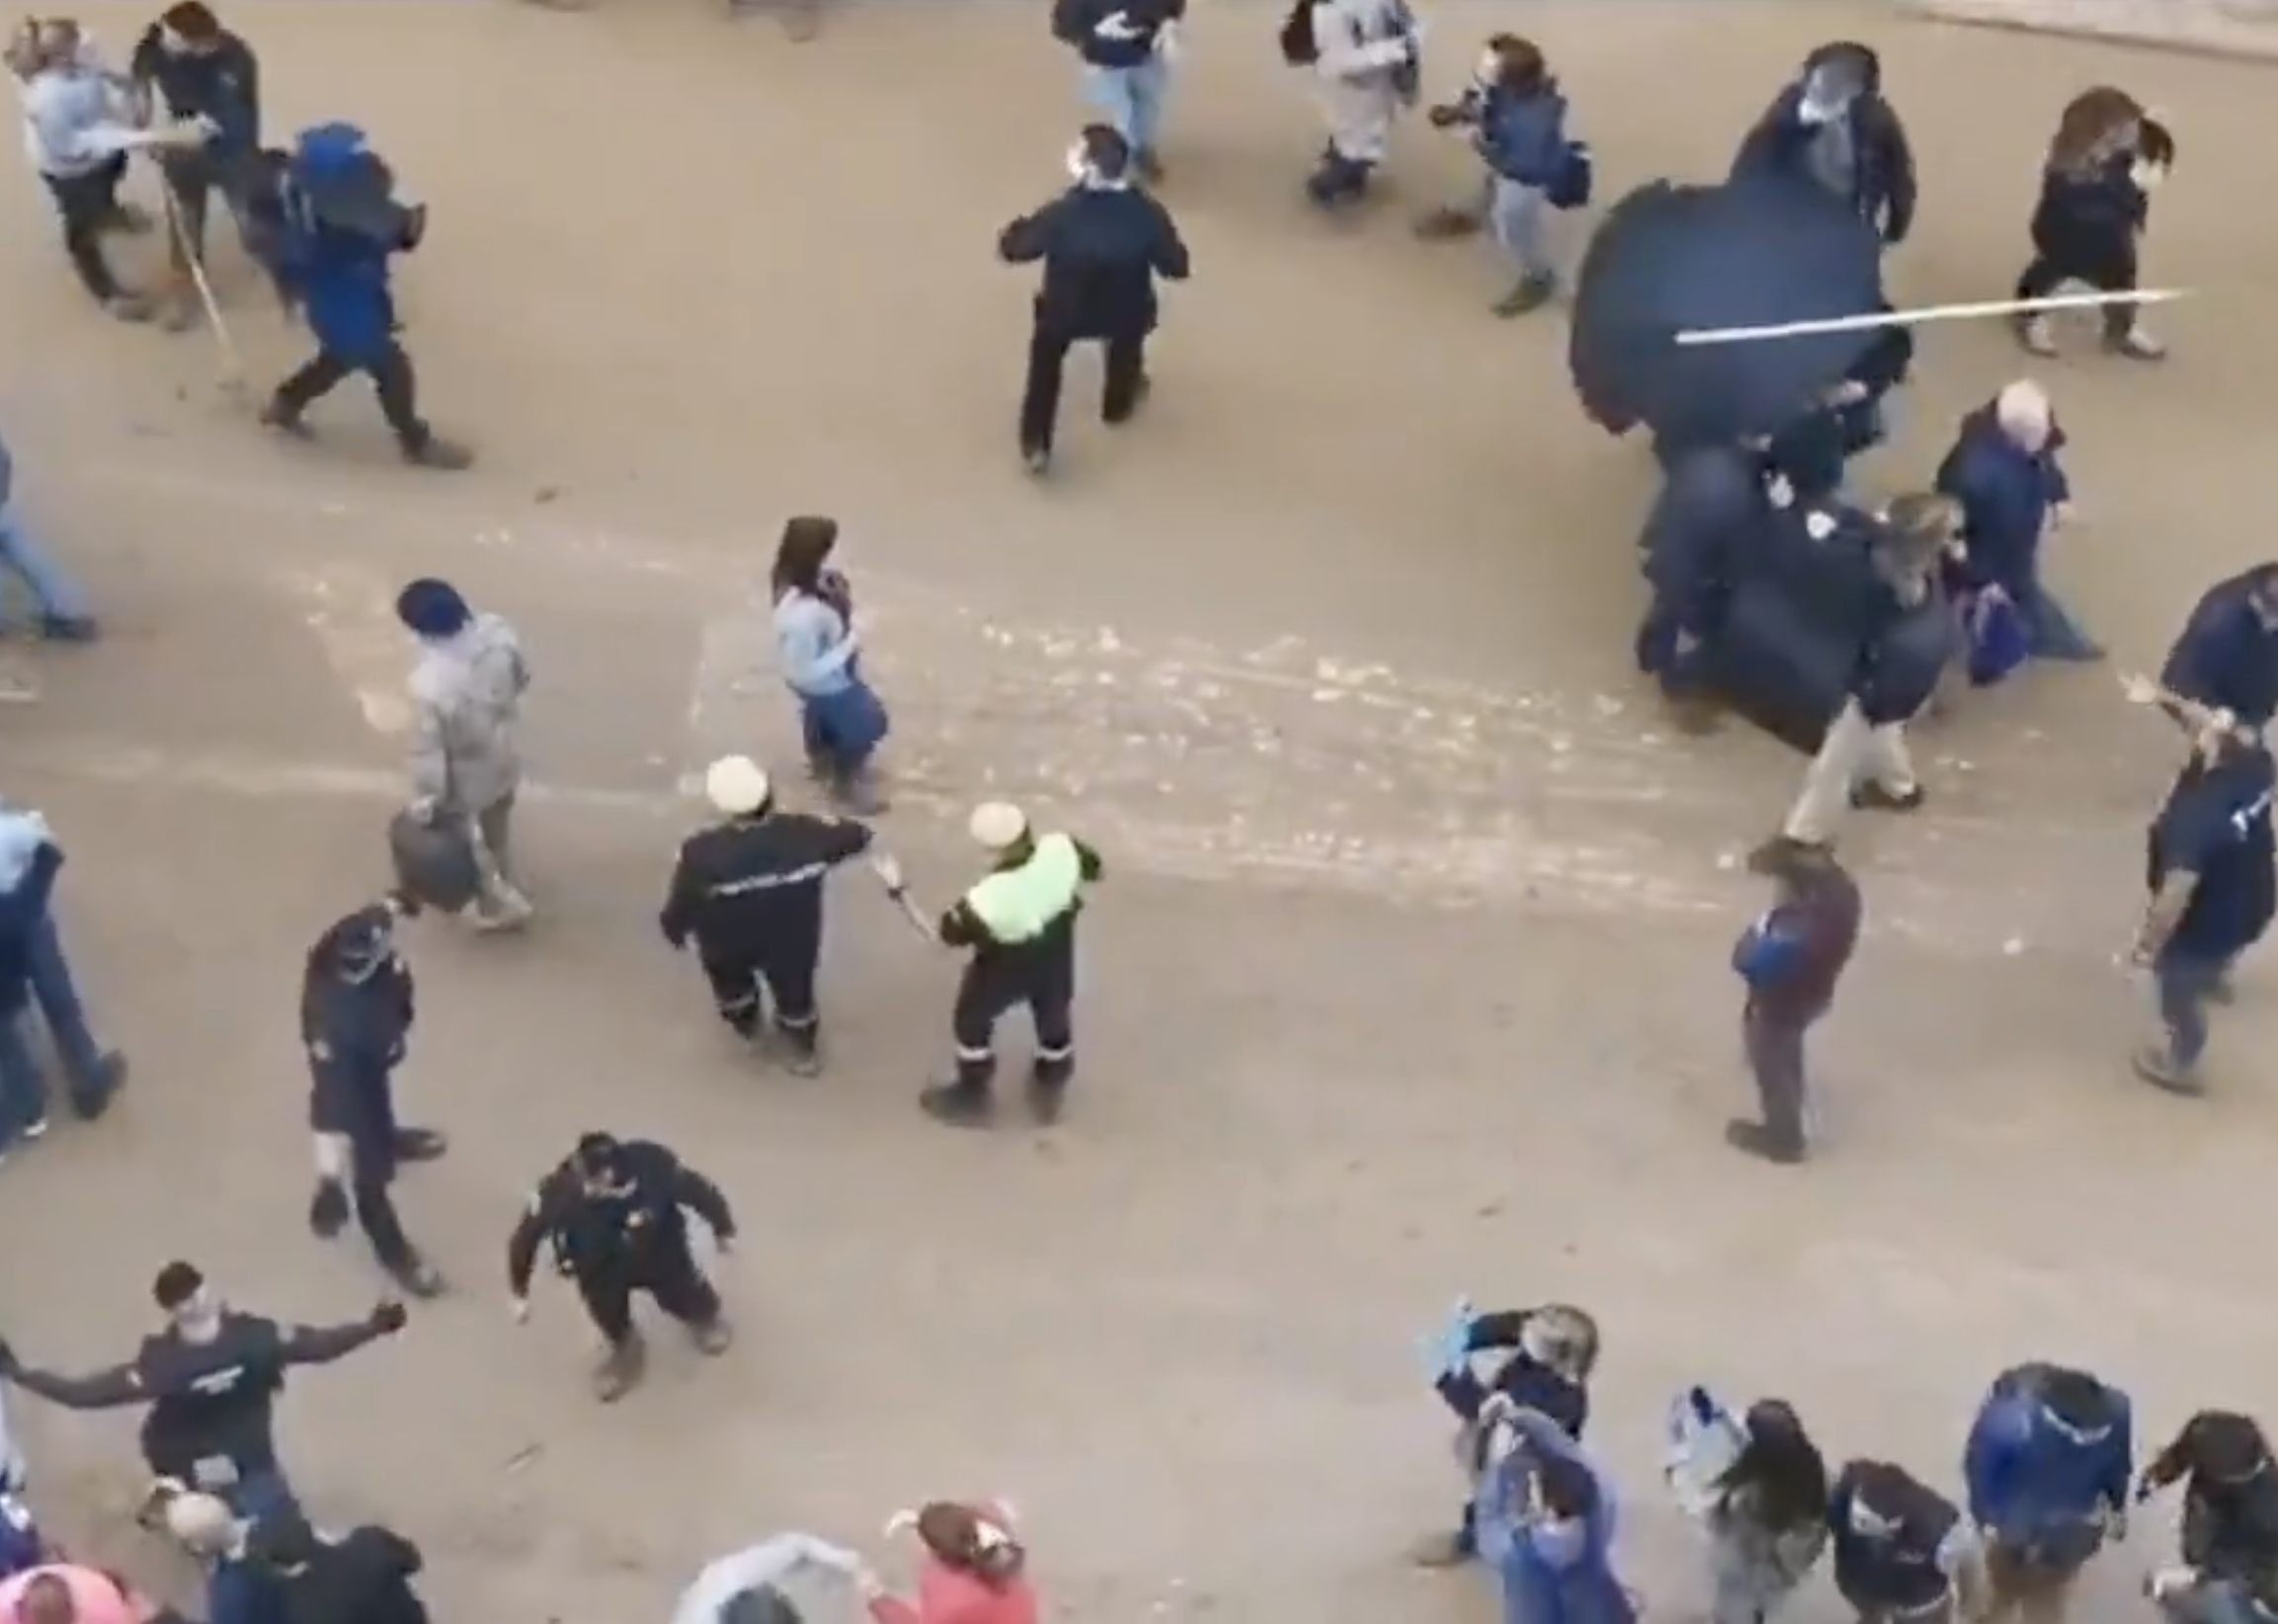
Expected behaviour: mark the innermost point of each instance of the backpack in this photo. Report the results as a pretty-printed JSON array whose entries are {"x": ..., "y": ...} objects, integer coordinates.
[
  {"x": 1298, "y": 47},
  {"x": 1576, "y": 173}
]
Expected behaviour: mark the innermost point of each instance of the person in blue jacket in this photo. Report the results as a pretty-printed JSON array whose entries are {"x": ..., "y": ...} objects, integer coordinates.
[
  {"x": 2213, "y": 875},
  {"x": 2003, "y": 469},
  {"x": 1539, "y": 1359},
  {"x": 1522, "y": 136},
  {"x": 2226, "y": 657},
  {"x": 335, "y": 231},
  {"x": 1126, "y": 48},
  {"x": 356, "y": 1006},
  {"x": 1546, "y": 1525},
  {"x": 2048, "y": 1464},
  {"x": 1832, "y": 127}
]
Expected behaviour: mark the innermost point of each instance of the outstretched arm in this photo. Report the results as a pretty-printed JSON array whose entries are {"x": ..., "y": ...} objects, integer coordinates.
[{"x": 108, "y": 1388}]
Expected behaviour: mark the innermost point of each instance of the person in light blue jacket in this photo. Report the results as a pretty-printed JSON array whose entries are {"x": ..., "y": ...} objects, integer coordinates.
[
  {"x": 1546, "y": 1524},
  {"x": 62, "y": 612},
  {"x": 842, "y": 720}
]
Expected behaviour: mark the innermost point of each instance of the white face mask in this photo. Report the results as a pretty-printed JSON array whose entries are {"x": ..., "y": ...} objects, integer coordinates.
[{"x": 1489, "y": 70}]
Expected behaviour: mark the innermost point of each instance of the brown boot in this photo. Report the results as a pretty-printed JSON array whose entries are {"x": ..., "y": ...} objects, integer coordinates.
[{"x": 620, "y": 1369}]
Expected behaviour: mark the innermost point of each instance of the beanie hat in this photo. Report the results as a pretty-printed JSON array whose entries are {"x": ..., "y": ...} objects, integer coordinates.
[{"x": 433, "y": 609}]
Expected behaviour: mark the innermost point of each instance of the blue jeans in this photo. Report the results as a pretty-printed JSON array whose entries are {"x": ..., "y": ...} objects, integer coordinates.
[
  {"x": 23, "y": 1093},
  {"x": 53, "y": 593},
  {"x": 843, "y": 730},
  {"x": 1518, "y": 217},
  {"x": 2187, "y": 983},
  {"x": 1130, "y": 99}
]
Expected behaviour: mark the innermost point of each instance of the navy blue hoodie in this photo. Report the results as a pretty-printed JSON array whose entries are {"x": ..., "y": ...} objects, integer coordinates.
[{"x": 1078, "y": 22}]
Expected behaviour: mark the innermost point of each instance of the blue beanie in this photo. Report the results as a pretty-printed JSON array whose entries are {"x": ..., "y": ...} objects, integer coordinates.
[{"x": 433, "y": 609}]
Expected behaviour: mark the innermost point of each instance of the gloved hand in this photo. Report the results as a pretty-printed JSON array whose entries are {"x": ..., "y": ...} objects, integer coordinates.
[{"x": 1447, "y": 1350}]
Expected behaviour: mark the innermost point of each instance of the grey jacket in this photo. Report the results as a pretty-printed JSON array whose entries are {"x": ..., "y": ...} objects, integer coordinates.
[{"x": 466, "y": 717}]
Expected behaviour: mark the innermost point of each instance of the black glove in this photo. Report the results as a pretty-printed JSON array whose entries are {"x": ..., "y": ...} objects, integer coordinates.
[{"x": 391, "y": 1316}]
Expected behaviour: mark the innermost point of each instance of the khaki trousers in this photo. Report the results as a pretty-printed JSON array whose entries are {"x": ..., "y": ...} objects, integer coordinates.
[{"x": 1855, "y": 752}]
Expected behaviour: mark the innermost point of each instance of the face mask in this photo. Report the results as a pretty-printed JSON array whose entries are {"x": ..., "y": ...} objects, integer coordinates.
[{"x": 1489, "y": 70}]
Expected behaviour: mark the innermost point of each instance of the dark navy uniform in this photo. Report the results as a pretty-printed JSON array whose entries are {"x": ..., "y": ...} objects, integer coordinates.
[
  {"x": 2216, "y": 826},
  {"x": 1102, "y": 243},
  {"x": 750, "y": 891},
  {"x": 1018, "y": 924},
  {"x": 2227, "y": 655},
  {"x": 615, "y": 1213},
  {"x": 356, "y": 1006},
  {"x": 212, "y": 1397}
]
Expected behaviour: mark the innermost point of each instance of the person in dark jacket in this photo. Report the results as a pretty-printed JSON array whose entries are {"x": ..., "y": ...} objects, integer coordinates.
[
  {"x": 1538, "y": 1358},
  {"x": 1790, "y": 960},
  {"x": 211, "y": 1379},
  {"x": 356, "y": 1007},
  {"x": 2226, "y": 657},
  {"x": 2003, "y": 469},
  {"x": 1712, "y": 508},
  {"x": 1832, "y": 127},
  {"x": 615, "y": 1214},
  {"x": 750, "y": 891},
  {"x": 2229, "y": 1545},
  {"x": 200, "y": 70},
  {"x": 1759, "y": 1486},
  {"x": 339, "y": 232},
  {"x": 2107, "y": 158},
  {"x": 1102, "y": 244},
  {"x": 2213, "y": 873},
  {"x": 1904, "y": 1552},
  {"x": 361, "y": 1576},
  {"x": 2048, "y": 1466},
  {"x": 1518, "y": 118},
  {"x": 1126, "y": 48},
  {"x": 1904, "y": 637}
]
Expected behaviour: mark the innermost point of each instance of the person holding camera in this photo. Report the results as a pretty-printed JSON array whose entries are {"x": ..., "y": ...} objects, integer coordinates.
[
  {"x": 1517, "y": 116},
  {"x": 341, "y": 229}
]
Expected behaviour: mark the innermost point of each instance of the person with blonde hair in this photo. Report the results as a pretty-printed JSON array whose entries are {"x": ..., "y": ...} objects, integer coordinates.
[{"x": 2105, "y": 161}]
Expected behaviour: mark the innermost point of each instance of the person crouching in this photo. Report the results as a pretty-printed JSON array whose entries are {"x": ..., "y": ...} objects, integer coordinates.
[{"x": 2107, "y": 158}]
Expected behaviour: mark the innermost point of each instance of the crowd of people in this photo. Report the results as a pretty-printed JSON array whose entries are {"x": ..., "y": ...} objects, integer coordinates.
[{"x": 1753, "y": 543}]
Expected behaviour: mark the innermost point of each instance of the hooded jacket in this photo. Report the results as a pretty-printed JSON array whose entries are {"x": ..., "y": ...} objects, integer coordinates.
[
  {"x": 1550, "y": 1574},
  {"x": 2039, "y": 1485},
  {"x": 466, "y": 707},
  {"x": 1881, "y": 157},
  {"x": 338, "y": 278},
  {"x": 2005, "y": 492}
]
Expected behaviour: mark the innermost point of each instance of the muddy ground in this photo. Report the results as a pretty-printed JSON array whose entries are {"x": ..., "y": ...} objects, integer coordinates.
[{"x": 1410, "y": 977}]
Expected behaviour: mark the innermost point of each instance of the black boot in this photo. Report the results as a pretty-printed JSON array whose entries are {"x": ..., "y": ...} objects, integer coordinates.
[
  {"x": 1756, "y": 1140},
  {"x": 964, "y": 1104},
  {"x": 418, "y": 1145},
  {"x": 1048, "y": 1081},
  {"x": 328, "y": 1209}
]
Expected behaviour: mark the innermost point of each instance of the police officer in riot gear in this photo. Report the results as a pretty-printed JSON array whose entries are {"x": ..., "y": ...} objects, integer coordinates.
[
  {"x": 614, "y": 1212},
  {"x": 356, "y": 1006},
  {"x": 1019, "y": 922},
  {"x": 750, "y": 891},
  {"x": 211, "y": 1379}
]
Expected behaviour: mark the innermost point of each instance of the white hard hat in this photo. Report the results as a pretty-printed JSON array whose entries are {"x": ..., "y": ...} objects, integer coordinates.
[
  {"x": 737, "y": 786},
  {"x": 997, "y": 825}
]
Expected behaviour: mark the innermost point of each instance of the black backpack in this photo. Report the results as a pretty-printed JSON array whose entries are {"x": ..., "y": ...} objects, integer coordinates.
[{"x": 1298, "y": 47}]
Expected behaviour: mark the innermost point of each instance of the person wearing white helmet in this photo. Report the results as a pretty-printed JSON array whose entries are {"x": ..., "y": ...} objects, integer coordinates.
[
  {"x": 749, "y": 891},
  {"x": 1019, "y": 923}
]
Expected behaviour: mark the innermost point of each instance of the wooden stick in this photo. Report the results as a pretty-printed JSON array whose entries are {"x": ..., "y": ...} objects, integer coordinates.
[
  {"x": 232, "y": 364},
  {"x": 1694, "y": 336}
]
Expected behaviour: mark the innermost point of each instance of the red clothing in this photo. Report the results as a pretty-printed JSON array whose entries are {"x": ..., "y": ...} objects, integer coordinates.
[{"x": 949, "y": 1595}]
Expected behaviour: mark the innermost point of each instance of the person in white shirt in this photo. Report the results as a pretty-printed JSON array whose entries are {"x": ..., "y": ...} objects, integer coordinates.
[{"x": 77, "y": 134}]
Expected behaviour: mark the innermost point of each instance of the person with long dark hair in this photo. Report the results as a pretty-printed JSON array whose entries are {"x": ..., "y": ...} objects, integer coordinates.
[
  {"x": 2107, "y": 158},
  {"x": 842, "y": 720},
  {"x": 1760, "y": 1487},
  {"x": 2229, "y": 1567}
]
